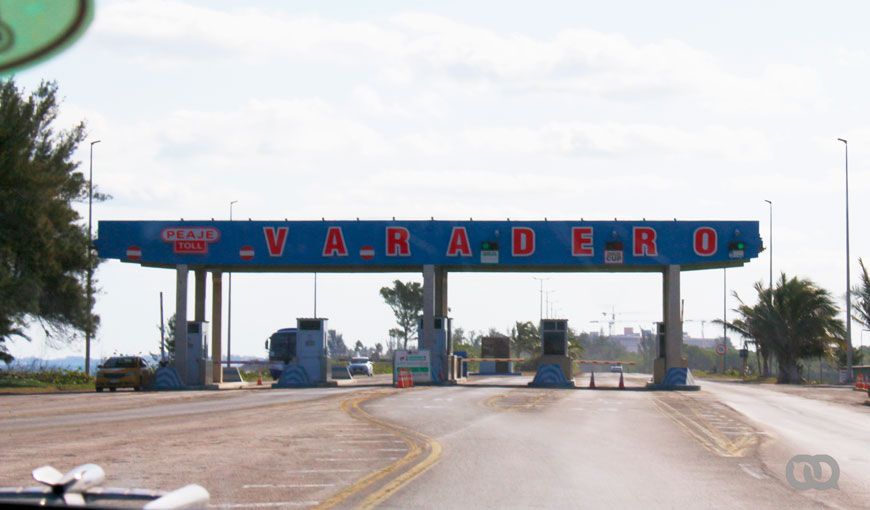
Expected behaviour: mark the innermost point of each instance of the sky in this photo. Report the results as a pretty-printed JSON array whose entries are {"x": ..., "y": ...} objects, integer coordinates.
[{"x": 600, "y": 110}]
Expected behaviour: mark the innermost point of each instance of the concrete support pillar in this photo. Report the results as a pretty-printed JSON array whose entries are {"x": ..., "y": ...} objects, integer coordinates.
[
  {"x": 216, "y": 323},
  {"x": 441, "y": 308},
  {"x": 181, "y": 322},
  {"x": 199, "y": 295},
  {"x": 672, "y": 319},
  {"x": 428, "y": 306}
]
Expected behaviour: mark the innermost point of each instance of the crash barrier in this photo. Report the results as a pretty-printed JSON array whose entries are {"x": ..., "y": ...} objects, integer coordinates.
[
  {"x": 232, "y": 374},
  {"x": 167, "y": 378},
  {"x": 404, "y": 379},
  {"x": 341, "y": 372},
  {"x": 293, "y": 376},
  {"x": 551, "y": 376}
]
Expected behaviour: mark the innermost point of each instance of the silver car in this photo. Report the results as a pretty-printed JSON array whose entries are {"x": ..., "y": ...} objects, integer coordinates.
[{"x": 361, "y": 365}]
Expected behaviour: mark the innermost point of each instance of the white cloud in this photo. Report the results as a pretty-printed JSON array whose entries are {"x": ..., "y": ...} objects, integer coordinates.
[
  {"x": 436, "y": 53},
  {"x": 609, "y": 139}
]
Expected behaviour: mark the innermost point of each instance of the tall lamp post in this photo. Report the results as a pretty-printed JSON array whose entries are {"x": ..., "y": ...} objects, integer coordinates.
[
  {"x": 848, "y": 282},
  {"x": 769, "y": 203},
  {"x": 230, "y": 305},
  {"x": 90, "y": 275},
  {"x": 541, "y": 305}
]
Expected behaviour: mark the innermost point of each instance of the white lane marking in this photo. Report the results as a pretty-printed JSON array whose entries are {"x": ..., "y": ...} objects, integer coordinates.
[
  {"x": 265, "y": 505},
  {"x": 287, "y": 486},
  {"x": 364, "y": 435},
  {"x": 353, "y": 459},
  {"x": 368, "y": 441},
  {"x": 325, "y": 471},
  {"x": 391, "y": 450},
  {"x": 753, "y": 471}
]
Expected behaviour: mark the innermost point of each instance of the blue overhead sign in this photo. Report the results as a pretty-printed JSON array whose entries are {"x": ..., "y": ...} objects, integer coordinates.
[{"x": 408, "y": 245}]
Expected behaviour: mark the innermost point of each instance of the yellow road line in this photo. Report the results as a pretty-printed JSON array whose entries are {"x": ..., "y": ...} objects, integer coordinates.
[
  {"x": 411, "y": 438},
  {"x": 704, "y": 433}
]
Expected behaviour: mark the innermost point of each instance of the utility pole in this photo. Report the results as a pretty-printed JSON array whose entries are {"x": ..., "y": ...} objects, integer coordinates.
[
  {"x": 848, "y": 283},
  {"x": 541, "y": 305},
  {"x": 230, "y": 305},
  {"x": 162, "y": 332},
  {"x": 90, "y": 276},
  {"x": 724, "y": 316}
]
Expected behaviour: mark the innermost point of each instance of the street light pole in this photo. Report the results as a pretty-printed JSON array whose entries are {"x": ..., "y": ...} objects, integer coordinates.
[
  {"x": 724, "y": 316},
  {"x": 90, "y": 274},
  {"x": 848, "y": 282},
  {"x": 541, "y": 305},
  {"x": 771, "y": 242},
  {"x": 230, "y": 305}
]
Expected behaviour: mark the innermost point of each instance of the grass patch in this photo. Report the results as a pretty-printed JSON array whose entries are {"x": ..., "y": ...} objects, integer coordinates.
[{"x": 44, "y": 379}]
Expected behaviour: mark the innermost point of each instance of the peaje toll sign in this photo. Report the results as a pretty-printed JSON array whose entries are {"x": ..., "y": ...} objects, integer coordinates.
[
  {"x": 460, "y": 245},
  {"x": 190, "y": 240}
]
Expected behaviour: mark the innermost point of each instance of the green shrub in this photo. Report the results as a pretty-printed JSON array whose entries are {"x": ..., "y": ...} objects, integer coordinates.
[{"x": 18, "y": 377}]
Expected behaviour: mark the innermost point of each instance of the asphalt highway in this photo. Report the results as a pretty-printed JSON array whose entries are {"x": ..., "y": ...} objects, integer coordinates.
[{"x": 492, "y": 443}]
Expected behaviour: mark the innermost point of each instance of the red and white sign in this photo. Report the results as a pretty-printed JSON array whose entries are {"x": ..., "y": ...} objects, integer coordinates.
[
  {"x": 276, "y": 239},
  {"x": 190, "y": 240},
  {"x": 720, "y": 349},
  {"x": 134, "y": 253},
  {"x": 334, "y": 246},
  {"x": 459, "y": 245},
  {"x": 246, "y": 252},
  {"x": 522, "y": 242},
  {"x": 398, "y": 242},
  {"x": 367, "y": 252}
]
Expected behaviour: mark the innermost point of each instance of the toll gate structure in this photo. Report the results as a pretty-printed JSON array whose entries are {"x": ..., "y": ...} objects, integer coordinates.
[{"x": 434, "y": 248}]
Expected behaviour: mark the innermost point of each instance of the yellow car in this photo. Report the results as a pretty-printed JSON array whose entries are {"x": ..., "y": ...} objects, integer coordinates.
[{"x": 123, "y": 372}]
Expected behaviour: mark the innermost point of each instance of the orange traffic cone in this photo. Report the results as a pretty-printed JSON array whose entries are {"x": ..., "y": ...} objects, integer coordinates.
[
  {"x": 592, "y": 381},
  {"x": 621, "y": 382},
  {"x": 260, "y": 378}
]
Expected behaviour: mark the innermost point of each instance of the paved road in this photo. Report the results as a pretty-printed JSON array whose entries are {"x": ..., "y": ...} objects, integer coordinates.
[
  {"x": 518, "y": 447},
  {"x": 494, "y": 443},
  {"x": 799, "y": 425}
]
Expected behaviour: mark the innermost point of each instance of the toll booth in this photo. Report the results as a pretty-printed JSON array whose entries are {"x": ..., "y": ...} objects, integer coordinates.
[
  {"x": 309, "y": 365},
  {"x": 199, "y": 364},
  {"x": 495, "y": 347},
  {"x": 440, "y": 349},
  {"x": 555, "y": 368}
]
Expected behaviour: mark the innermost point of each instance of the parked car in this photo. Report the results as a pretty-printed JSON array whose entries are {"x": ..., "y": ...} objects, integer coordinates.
[
  {"x": 123, "y": 372},
  {"x": 361, "y": 365},
  {"x": 616, "y": 368}
]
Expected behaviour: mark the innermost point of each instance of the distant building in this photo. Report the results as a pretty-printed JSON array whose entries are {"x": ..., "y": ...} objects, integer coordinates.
[
  {"x": 628, "y": 339},
  {"x": 705, "y": 343}
]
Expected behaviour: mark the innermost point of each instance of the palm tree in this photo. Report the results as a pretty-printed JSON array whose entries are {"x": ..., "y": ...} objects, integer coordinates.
[
  {"x": 861, "y": 303},
  {"x": 794, "y": 320},
  {"x": 860, "y": 307}
]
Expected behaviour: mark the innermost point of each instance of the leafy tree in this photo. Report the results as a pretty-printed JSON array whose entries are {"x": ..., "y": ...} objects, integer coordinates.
[
  {"x": 602, "y": 348},
  {"x": 861, "y": 313},
  {"x": 169, "y": 338},
  {"x": 647, "y": 349},
  {"x": 359, "y": 347},
  {"x": 794, "y": 320},
  {"x": 335, "y": 343},
  {"x": 525, "y": 339},
  {"x": 44, "y": 249},
  {"x": 406, "y": 301}
]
